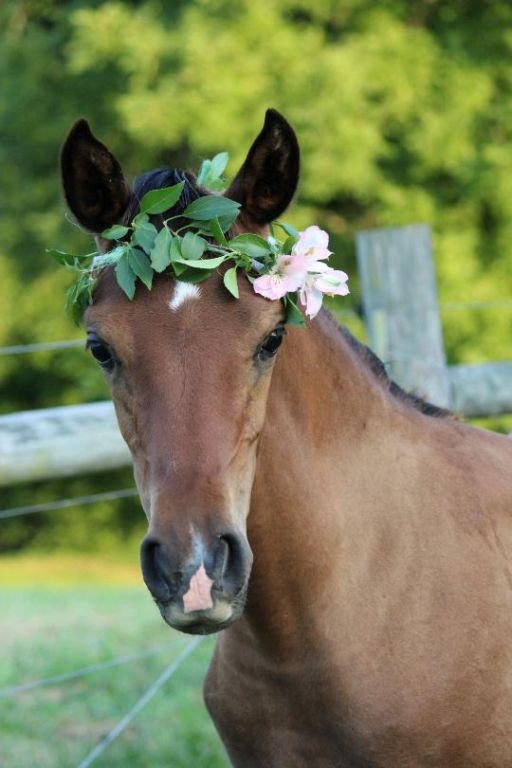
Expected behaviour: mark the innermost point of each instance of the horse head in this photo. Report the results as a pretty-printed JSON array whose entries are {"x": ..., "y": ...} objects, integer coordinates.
[{"x": 189, "y": 368}]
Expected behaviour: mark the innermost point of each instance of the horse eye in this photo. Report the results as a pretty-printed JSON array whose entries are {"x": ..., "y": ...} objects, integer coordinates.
[
  {"x": 271, "y": 344},
  {"x": 101, "y": 353}
]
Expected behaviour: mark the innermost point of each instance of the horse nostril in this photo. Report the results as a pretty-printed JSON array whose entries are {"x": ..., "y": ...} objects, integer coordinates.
[
  {"x": 232, "y": 562},
  {"x": 155, "y": 569}
]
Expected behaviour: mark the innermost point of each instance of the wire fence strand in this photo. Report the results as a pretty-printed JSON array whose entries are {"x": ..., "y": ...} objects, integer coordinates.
[
  {"x": 49, "y": 346},
  {"x": 74, "y": 674},
  {"x": 458, "y": 306},
  {"x": 76, "y": 501},
  {"x": 140, "y": 704},
  {"x": 43, "y": 346}
]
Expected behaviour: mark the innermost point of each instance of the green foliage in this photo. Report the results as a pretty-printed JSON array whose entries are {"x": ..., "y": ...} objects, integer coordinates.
[
  {"x": 160, "y": 200},
  {"x": 231, "y": 283},
  {"x": 211, "y": 207},
  {"x": 148, "y": 250},
  {"x": 125, "y": 275},
  {"x": 403, "y": 111},
  {"x": 210, "y": 173},
  {"x": 413, "y": 100},
  {"x": 293, "y": 314}
]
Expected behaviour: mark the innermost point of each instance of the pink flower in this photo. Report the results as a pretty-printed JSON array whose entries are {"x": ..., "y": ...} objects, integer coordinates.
[
  {"x": 332, "y": 282},
  {"x": 304, "y": 270},
  {"x": 286, "y": 276},
  {"x": 273, "y": 286},
  {"x": 311, "y": 297},
  {"x": 311, "y": 248}
]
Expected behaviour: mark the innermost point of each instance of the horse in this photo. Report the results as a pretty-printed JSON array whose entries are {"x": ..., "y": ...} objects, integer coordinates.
[{"x": 351, "y": 544}]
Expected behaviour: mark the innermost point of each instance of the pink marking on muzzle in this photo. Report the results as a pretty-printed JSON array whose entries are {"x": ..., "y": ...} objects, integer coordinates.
[{"x": 198, "y": 596}]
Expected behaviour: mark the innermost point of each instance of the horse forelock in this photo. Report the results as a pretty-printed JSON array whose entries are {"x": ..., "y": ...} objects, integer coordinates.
[{"x": 159, "y": 178}]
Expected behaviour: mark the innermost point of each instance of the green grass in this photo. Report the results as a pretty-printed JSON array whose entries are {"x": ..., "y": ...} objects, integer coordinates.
[
  {"x": 69, "y": 569},
  {"x": 49, "y": 630}
]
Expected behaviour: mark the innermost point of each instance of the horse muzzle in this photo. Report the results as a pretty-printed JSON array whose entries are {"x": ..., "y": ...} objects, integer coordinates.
[{"x": 205, "y": 593}]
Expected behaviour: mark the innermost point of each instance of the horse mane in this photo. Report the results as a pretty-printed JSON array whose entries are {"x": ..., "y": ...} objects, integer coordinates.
[
  {"x": 370, "y": 359},
  {"x": 167, "y": 177},
  {"x": 378, "y": 369}
]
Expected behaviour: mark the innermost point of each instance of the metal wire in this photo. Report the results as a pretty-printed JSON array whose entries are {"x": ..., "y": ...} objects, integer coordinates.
[
  {"x": 82, "y": 672},
  {"x": 458, "y": 306},
  {"x": 44, "y": 346},
  {"x": 140, "y": 704},
  {"x": 77, "y": 501}
]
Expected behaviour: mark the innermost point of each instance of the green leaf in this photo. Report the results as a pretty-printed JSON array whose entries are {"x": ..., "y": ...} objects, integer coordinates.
[
  {"x": 125, "y": 276},
  {"x": 204, "y": 173},
  {"x": 160, "y": 200},
  {"x": 68, "y": 259},
  {"x": 140, "y": 218},
  {"x": 111, "y": 257},
  {"x": 179, "y": 267},
  {"x": 115, "y": 233},
  {"x": 217, "y": 232},
  {"x": 293, "y": 314},
  {"x": 218, "y": 164},
  {"x": 226, "y": 222},
  {"x": 79, "y": 296},
  {"x": 145, "y": 235},
  {"x": 210, "y": 173},
  {"x": 231, "y": 283},
  {"x": 205, "y": 227},
  {"x": 210, "y": 207},
  {"x": 290, "y": 231},
  {"x": 175, "y": 252},
  {"x": 190, "y": 275},
  {"x": 253, "y": 246},
  {"x": 161, "y": 252},
  {"x": 289, "y": 243},
  {"x": 193, "y": 246},
  {"x": 203, "y": 263},
  {"x": 141, "y": 266},
  {"x": 71, "y": 296},
  {"x": 82, "y": 301}
]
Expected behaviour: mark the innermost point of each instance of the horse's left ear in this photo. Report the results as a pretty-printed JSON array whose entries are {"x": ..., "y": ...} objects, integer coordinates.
[
  {"x": 266, "y": 182},
  {"x": 94, "y": 185}
]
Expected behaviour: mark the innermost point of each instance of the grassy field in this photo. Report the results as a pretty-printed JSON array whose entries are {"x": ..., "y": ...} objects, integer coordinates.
[{"x": 73, "y": 621}]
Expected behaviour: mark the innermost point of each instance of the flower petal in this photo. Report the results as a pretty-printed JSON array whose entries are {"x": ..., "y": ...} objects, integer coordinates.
[
  {"x": 333, "y": 282},
  {"x": 311, "y": 246},
  {"x": 271, "y": 286},
  {"x": 314, "y": 300},
  {"x": 313, "y": 237},
  {"x": 311, "y": 297}
]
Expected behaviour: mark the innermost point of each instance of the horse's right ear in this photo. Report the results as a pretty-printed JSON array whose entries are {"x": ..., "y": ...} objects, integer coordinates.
[{"x": 94, "y": 185}]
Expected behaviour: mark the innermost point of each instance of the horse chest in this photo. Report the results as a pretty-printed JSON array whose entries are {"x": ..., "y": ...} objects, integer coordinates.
[
  {"x": 272, "y": 718},
  {"x": 293, "y": 716}
]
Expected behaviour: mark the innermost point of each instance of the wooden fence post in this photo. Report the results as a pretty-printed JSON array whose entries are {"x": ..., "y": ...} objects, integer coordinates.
[{"x": 396, "y": 268}]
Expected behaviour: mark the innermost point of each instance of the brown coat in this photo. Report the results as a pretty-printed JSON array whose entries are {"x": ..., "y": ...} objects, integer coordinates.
[{"x": 354, "y": 546}]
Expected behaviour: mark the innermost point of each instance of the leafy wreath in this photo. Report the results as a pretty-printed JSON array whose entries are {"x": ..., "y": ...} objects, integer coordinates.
[{"x": 291, "y": 267}]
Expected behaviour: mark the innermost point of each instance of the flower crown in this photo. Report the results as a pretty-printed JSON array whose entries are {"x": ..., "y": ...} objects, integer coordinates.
[{"x": 291, "y": 268}]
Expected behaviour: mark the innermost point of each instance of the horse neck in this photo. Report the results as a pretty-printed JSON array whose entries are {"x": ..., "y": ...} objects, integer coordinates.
[{"x": 325, "y": 414}]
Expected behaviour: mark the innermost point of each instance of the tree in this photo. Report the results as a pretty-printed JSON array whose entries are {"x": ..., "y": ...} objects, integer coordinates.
[{"x": 403, "y": 110}]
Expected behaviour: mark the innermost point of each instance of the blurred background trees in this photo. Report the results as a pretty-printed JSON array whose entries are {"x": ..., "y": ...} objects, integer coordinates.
[{"x": 403, "y": 110}]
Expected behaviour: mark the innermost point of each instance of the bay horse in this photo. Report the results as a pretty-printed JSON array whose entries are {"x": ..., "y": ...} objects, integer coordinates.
[{"x": 353, "y": 543}]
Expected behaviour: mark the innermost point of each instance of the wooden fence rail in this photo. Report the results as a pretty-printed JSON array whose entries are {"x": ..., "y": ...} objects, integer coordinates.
[
  {"x": 59, "y": 442},
  {"x": 402, "y": 316}
]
